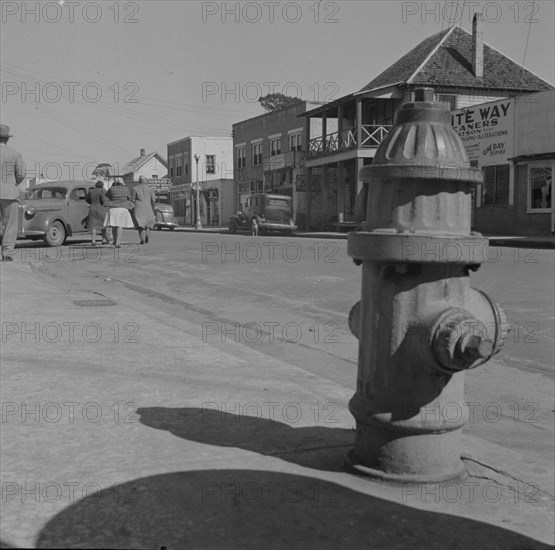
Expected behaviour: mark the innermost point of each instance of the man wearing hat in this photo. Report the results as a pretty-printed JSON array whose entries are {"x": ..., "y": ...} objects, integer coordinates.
[{"x": 13, "y": 173}]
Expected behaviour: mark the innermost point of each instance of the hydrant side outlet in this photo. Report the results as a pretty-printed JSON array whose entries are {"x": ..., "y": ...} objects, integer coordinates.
[{"x": 419, "y": 323}]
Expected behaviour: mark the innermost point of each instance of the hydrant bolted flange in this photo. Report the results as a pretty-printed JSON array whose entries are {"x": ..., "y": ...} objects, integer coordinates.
[{"x": 419, "y": 324}]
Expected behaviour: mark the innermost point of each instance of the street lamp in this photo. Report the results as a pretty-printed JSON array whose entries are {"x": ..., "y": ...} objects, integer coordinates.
[{"x": 198, "y": 224}]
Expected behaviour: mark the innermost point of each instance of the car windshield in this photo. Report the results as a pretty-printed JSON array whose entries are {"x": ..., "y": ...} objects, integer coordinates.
[{"x": 48, "y": 193}]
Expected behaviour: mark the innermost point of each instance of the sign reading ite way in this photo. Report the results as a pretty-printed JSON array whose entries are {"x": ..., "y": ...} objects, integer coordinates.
[{"x": 486, "y": 131}]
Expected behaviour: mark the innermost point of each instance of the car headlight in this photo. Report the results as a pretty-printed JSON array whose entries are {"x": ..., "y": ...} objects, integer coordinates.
[{"x": 30, "y": 211}]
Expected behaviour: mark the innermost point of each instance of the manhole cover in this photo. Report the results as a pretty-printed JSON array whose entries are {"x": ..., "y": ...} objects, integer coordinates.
[{"x": 94, "y": 303}]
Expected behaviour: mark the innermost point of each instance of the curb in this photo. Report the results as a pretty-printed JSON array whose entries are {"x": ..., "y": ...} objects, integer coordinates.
[{"x": 547, "y": 243}]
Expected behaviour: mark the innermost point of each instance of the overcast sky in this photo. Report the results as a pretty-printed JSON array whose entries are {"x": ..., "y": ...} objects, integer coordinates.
[{"x": 91, "y": 82}]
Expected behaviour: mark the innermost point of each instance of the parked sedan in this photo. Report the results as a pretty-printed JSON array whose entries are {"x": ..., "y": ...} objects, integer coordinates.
[
  {"x": 53, "y": 211},
  {"x": 265, "y": 213},
  {"x": 165, "y": 218}
]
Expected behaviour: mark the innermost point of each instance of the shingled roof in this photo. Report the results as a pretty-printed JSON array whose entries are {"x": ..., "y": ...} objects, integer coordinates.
[{"x": 445, "y": 60}]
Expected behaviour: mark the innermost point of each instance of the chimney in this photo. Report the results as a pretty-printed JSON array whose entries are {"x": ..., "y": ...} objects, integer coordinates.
[
  {"x": 142, "y": 152},
  {"x": 478, "y": 45}
]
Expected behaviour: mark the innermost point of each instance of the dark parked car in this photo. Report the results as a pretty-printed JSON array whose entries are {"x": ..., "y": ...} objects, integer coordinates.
[
  {"x": 164, "y": 217},
  {"x": 54, "y": 211},
  {"x": 264, "y": 213}
]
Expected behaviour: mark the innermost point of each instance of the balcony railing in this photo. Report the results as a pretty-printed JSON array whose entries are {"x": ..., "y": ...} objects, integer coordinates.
[{"x": 371, "y": 137}]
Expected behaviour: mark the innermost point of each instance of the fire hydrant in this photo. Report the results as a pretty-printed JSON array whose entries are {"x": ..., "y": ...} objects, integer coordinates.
[{"x": 419, "y": 323}]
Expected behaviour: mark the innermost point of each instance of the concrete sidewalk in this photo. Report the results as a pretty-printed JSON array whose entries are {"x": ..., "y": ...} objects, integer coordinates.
[
  {"x": 124, "y": 428},
  {"x": 512, "y": 241}
]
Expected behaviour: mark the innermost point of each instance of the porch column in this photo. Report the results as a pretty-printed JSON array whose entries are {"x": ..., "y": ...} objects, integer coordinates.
[
  {"x": 308, "y": 198},
  {"x": 359, "y": 184},
  {"x": 340, "y": 127},
  {"x": 361, "y": 195},
  {"x": 324, "y": 132},
  {"x": 340, "y": 189},
  {"x": 324, "y": 183},
  {"x": 308, "y": 172},
  {"x": 359, "y": 122}
]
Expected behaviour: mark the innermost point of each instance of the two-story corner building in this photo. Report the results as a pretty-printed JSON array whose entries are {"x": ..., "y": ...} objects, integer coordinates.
[
  {"x": 214, "y": 172},
  {"x": 461, "y": 69},
  {"x": 270, "y": 154}
]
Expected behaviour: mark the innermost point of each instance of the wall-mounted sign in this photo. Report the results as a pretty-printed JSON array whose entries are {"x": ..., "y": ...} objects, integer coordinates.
[
  {"x": 161, "y": 184},
  {"x": 487, "y": 131}
]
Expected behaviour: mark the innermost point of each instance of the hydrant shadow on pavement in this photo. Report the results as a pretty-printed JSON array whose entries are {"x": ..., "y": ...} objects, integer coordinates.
[
  {"x": 247, "y": 508},
  {"x": 321, "y": 448}
]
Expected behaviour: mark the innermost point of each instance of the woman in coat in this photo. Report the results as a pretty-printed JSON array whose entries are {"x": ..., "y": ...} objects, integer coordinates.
[
  {"x": 98, "y": 206},
  {"x": 143, "y": 214},
  {"x": 119, "y": 204}
]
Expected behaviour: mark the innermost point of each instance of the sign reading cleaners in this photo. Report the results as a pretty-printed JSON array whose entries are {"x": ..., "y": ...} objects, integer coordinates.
[{"x": 486, "y": 131}]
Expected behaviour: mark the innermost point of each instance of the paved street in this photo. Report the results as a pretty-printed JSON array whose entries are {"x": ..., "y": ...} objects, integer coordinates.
[
  {"x": 289, "y": 298},
  {"x": 205, "y": 331}
]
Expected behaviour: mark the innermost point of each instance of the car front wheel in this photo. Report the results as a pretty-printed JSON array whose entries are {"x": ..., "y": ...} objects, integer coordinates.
[{"x": 56, "y": 235}]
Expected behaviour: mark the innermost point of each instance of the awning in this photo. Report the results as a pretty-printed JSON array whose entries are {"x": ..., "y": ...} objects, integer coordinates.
[{"x": 535, "y": 156}]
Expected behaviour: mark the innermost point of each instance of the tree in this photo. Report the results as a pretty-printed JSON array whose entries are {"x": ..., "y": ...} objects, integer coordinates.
[
  {"x": 272, "y": 102},
  {"x": 102, "y": 170}
]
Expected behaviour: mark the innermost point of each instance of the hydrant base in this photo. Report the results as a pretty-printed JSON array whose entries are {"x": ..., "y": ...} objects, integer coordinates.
[{"x": 355, "y": 467}]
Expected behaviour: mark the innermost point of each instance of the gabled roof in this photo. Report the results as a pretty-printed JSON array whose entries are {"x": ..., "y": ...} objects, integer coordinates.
[
  {"x": 445, "y": 60},
  {"x": 137, "y": 162}
]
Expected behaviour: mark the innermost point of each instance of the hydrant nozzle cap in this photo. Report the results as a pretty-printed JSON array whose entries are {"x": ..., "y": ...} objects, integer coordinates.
[
  {"x": 485, "y": 348},
  {"x": 460, "y": 341}
]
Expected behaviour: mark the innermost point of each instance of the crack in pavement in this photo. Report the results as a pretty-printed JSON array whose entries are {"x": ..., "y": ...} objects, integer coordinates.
[{"x": 537, "y": 488}]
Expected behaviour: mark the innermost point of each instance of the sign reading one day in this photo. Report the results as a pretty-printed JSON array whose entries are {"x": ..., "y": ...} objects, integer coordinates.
[{"x": 486, "y": 131}]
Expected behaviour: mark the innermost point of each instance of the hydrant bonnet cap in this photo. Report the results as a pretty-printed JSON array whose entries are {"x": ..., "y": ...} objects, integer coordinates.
[{"x": 422, "y": 144}]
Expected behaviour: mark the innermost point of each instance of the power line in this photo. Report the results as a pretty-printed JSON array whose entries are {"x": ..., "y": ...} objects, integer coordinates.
[{"x": 116, "y": 109}]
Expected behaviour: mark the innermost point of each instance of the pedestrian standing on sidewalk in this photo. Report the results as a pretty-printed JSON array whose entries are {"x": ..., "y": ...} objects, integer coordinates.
[
  {"x": 143, "y": 213},
  {"x": 98, "y": 208},
  {"x": 13, "y": 173},
  {"x": 119, "y": 204}
]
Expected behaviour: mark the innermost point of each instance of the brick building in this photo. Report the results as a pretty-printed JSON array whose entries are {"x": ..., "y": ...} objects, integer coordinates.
[{"x": 270, "y": 154}]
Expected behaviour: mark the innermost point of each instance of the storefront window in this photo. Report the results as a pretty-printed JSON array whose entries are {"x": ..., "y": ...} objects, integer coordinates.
[
  {"x": 540, "y": 186},
  {"x": 257, "y": 186},
  {"x": 495, "y": 190}
]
